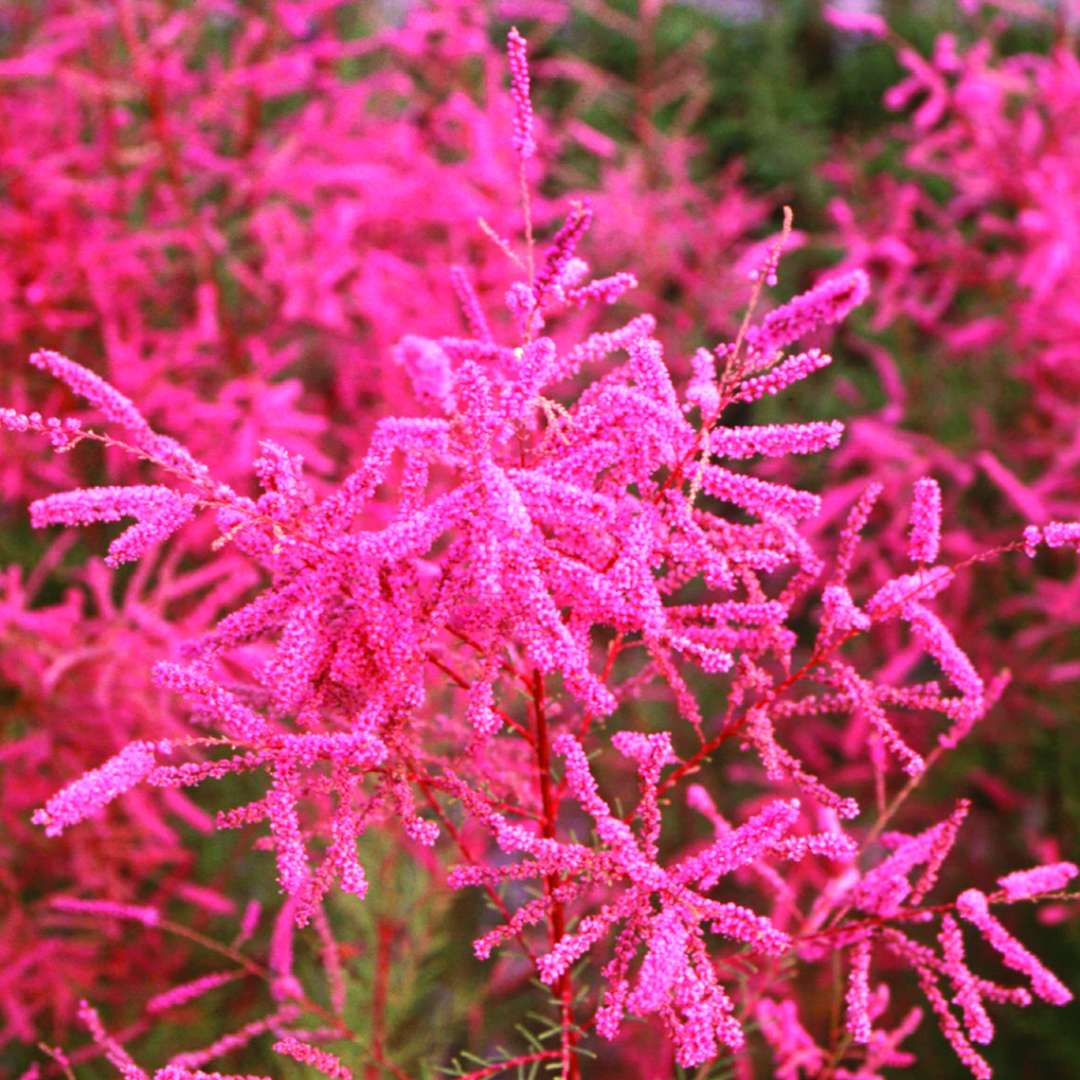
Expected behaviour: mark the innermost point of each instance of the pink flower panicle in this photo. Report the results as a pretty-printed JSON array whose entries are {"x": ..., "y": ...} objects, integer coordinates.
[
  {"x": 925, "y": 522},
  {"x": 867, "y": 700},
  {"x": 191, "y": 991},
  {"x": 1056, "y": 534},
  {"x": 92, "y": 792},
  {"x": 967, "y": 992},
  {"x": 1032, "y": 540},
  {"x": 840, "y": 614},
  {"x": 794, "y": 1049},
  {"x": 116, "y": 1055},
  {"x": 118, "y": 409},
  {"x": 857, "y": 998},
  {"x": 213, "y": 703},
  {"x": 1025, "y": 884},
  {"x": 762, "y": 498},
  {"x": 122, "y": 1061},
  {"x": 884, "y": 889},
  {"x": 767, "y": 270},
  {"x": 428, "y": 368},
  {"x": 775, "y": 440},
  {"x": 780, "y": 764},
  {"x": 159, "y": 512},
  {"x": 249, "y": 921},
  {"x": 855, "y": 21},
  {"x": 973, "y": 907},
  {"x": 702, "y": 390},
  {"x": 824, "y": 305},
  {"x": 321, "y": 1060},
  {"x": 938, "y": 641},
  {"x": 858, "y": 516},
  {"x": 148, "y": 916},
  {"x": 475, "y": 319},
  {"x": 928, "y": 967},
  {"x": 62, "y": 434},
  {"x": 523, "y": 141},
  {"x": 796, "y": 1054},
  {"x": 785, "y": 374},
  {"x": 113, "y": 406},
  {"x": 560, "y": 260},
  {"x": 607, "y": 290}
]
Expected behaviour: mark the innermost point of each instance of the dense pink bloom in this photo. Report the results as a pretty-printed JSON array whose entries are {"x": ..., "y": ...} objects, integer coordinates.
[
  {"x": 824, "y": 305},
  {"x": 661, "y": 909},
  {"x": 117, "y": 1056},
  {"x": 887, "y": 886},
  {"x": 783, "y": 375},
  {"x": 433, "y": 610},
  {"x": 967, "y": 992},
  {"x": 159, "y": 512}
]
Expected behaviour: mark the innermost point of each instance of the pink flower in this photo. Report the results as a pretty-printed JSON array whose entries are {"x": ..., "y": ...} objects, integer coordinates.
[
  {"x": 97, "y": 788},
  {"x": 857, "y": 998},
  {"x": 1024, "y": 884},
  {"x": 519, "y": 92},
  {"x": 320, "y": 1060},
  {"x": 158, "y": 510},
  {"x": 925, "y": 522},
  {"x": 973, "y": 907},
  {"x": 856, "y": 21}
]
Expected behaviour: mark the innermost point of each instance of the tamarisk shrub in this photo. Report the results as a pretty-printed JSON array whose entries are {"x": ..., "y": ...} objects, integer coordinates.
[
  {"x": 973, "y": 268},
  {"x": 557, "y": 583},
  {"x": 234, "y": 216}
]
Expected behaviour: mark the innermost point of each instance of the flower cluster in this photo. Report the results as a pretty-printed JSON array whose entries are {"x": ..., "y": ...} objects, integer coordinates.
[{"x": 562, "y": 560}]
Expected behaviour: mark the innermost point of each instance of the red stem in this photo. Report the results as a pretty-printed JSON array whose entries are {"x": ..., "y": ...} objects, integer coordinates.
[
  {"x": 385, "y": 935},
  {"x": 556, "y": 912}
]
